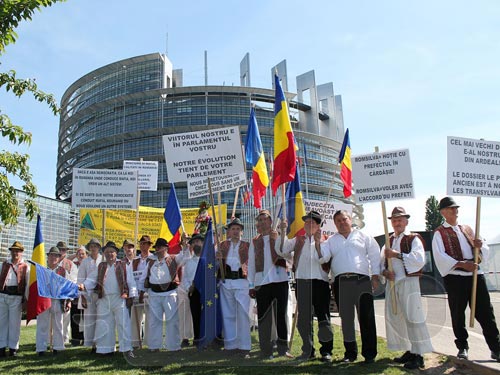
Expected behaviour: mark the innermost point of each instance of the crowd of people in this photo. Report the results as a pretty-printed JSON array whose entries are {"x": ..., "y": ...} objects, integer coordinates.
[{"x": 135, "y": 295}]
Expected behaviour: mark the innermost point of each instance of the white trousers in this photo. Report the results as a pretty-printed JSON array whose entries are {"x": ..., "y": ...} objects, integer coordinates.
[
  {"x": 112, "y": 315},
  {"x": 159, "y": 304},
  {"x": 89, "y": 320},
  {"x": 50, "y": 319},
  {"x": 406, "y": 330},
  {"x": 185, "y": 317},
  {"x": 66, "y": 327},
  {"x": 235, "y": 320},
  {"x": 10, "y": 316},
  {"x": 139, "y": 317}
]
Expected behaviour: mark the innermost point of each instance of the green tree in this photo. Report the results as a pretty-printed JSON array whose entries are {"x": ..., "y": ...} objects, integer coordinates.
[
  {"x": 433, "y": 218},
  {"x": 15, "y": 164}
]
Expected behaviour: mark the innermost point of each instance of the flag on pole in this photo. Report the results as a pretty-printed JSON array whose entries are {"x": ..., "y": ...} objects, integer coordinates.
[
  {"x": 285, "y": 149},
  {"x": 51, "y": 285},
  {"x": 295, "y": 207},
  {"x": 345, "y": 165},
  {"x": 254, "y": 155},
  {"x": 171, "y": 224},
  {"x": 205, "y": 281},
  {"x": 36, "y": 304}
]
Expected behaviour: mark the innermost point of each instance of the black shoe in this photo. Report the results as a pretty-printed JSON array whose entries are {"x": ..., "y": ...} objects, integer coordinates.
[
  {"x": 406, "y": 357},
  {"x": 54, "y": 352},
  {"x": 416, "y": 362},
  {"x": 41, "y": 354},
  {"x": 306, "y": 357},
  {"x": 13, "y": 352},
  {"x": 347, "y": 360},
  {"x": 463, "y": 354},
  {"x": 327, "y": 358},
  {"x": 2, "y": 352},
  {"x": 369, "y": 360},
  {"x": 495, "y": 356},
  {"x": 93, "y": 350},
  {"x": 185, "y": 343}
]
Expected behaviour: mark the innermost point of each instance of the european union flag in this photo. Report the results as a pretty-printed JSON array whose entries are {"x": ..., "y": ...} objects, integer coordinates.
[
  {"x": 51, "y": 285},
  {"x": 205, "y": 280}
]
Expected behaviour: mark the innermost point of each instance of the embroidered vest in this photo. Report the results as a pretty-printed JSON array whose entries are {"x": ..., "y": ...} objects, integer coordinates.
[
  {"x": 121, "y": 277},
  {"x": 22, "y": 268},
  {"x": 172, "y": 269},
  {"x": 451, "y": 242},
  {"x": 405, "y": 247},
  {"x": 297, "y": 251},
  {"x": 258, "y": 243},
  {"x": 242, "y": 252}
]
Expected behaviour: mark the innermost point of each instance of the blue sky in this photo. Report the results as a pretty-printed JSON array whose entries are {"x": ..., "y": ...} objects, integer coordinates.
[{"x": 410, "y": 73}]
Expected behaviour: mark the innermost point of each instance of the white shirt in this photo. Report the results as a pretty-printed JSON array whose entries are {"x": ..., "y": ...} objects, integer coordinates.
[
  {"x": 413, "y": 261},
  {"x": 445, "y": 263},
  {"x": 358, "y": 253},
  {"x": 160, "y": 273},
  {"x": 233, "y": 261},
  {"x": 271, "y": 273},
  {"x": 86, "y": 268},
  {"x": 110, "y": 283},
  {"x": 189, "y": 271},
  {"x": 308, "y": 265}
]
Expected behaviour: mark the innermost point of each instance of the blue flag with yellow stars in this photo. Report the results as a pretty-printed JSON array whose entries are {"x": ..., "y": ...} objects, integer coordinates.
[{"x": 205, "y": 280}]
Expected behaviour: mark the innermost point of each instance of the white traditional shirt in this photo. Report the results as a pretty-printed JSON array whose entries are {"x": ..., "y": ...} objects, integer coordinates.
[
  {"x": 160, "y": 273},
  {"x": 233, "y": 261},
  {"x": 86, "y": 268},
  {"x": 309, "y": 266},
  {"x": 189, "y": 271},
  {"x": 414, "y": 261},
  {"x": 445, "y": 263},
  {"x": 358, "y": 253},
  {"x": 271, "y": 273},
  {"x": 110, "y": 284}
]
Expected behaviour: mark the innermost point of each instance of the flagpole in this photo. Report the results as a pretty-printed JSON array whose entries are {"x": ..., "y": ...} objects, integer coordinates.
[
  {"x": 236, "y": 196},
  {"x": 222, "y": 270},
  {"x": 476, "y": 261},
  {"x": 103, "y": 234},
  {"x": 182, "y": 220},
  {"x": 136, "y": 227}
]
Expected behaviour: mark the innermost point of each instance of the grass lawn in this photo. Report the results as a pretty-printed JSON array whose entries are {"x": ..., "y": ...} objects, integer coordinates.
[{"x": 190, "y": 361}]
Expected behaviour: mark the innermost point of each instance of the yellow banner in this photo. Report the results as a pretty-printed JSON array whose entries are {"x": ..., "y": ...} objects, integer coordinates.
[{"x": 120, "y": 224}]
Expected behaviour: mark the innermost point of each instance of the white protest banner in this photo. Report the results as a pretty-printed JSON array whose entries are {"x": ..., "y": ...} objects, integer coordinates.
[
  {"x": 104, "y": 188},
  {"x": 382, "y": 176},
  {"x": 199, "y": 187},
  {"x": 327, "y": 211},
  {"x": 473, "y": 167},
  {"x": 147, "y": 173},
  {"x": 202, "y": 154}
]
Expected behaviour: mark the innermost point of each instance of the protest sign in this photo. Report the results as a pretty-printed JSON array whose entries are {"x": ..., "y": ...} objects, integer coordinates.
[{"x": 147, "y": 173}]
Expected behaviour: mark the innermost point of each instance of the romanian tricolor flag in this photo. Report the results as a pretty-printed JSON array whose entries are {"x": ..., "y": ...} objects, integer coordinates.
[
  {"x": 36, "y": 304},
  {"x": 285, "y": 149},
  {"x": 171, "y": 225},
  {"x": 345, "y": 165},
  {"x": 254, "y": 155},
  {"x": 295, "y": 207}
]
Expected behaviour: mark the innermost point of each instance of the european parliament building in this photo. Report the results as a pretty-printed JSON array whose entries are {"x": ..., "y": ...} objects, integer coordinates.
[{"x": 121, "y": 111}]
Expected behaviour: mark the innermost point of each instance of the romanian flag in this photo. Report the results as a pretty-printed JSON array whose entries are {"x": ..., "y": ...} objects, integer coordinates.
[
  {"x": 36, "y": 304},
  {"x": 171, "y": 225},
  {"x": 285, "y": 157},
  {"x": 254, "y": 155},
  {"x": 345, "y": 165},
  {"x": 295, "y": 207}
]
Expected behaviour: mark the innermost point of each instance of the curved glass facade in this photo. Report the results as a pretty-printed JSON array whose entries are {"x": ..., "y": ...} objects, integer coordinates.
[{"x": 121, "y": 111}]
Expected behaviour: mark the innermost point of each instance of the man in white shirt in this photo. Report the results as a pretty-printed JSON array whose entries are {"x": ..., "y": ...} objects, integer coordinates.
[
  {"x": 452, "y": 247},
  {"x": 188, "y": 273},
  {"x": 354, "y": 258},
  {"x": 234, "y": 297},
  {"x": 114, "y": 286},
  {"x": 312, "y": 287},
  {"x": 72, "y": 271},
  {"x": 14, "y": 280},
  {"x": 268, "y": 283},
  {"x": 88, "y": 298},
  {"x": 405, "y": 328}
]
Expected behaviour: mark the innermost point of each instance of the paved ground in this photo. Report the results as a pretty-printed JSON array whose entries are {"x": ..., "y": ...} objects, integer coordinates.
[{"x": 439, "y": 325}]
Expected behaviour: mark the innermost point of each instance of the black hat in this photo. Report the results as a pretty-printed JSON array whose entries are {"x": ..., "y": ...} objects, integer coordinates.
[
  {"x": 145, "y": 238},
  {"x": 235, "y": 221},
  {"x": 196, "y": 236},
  {"x": 447, "y": 202},
  {"x": 54, "y": 250},
  {"x": 128, "y": 243},
  {"x": 61, "y": 245},
  {"x": 315, "y": 215},
  {"x": 93, "y": 241},
  {"x": 398, "y": 212},
  {"x": 160, "y": 242},
  {"x": 112, "y": 245},
  {"x": 17, "y": 246}
]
